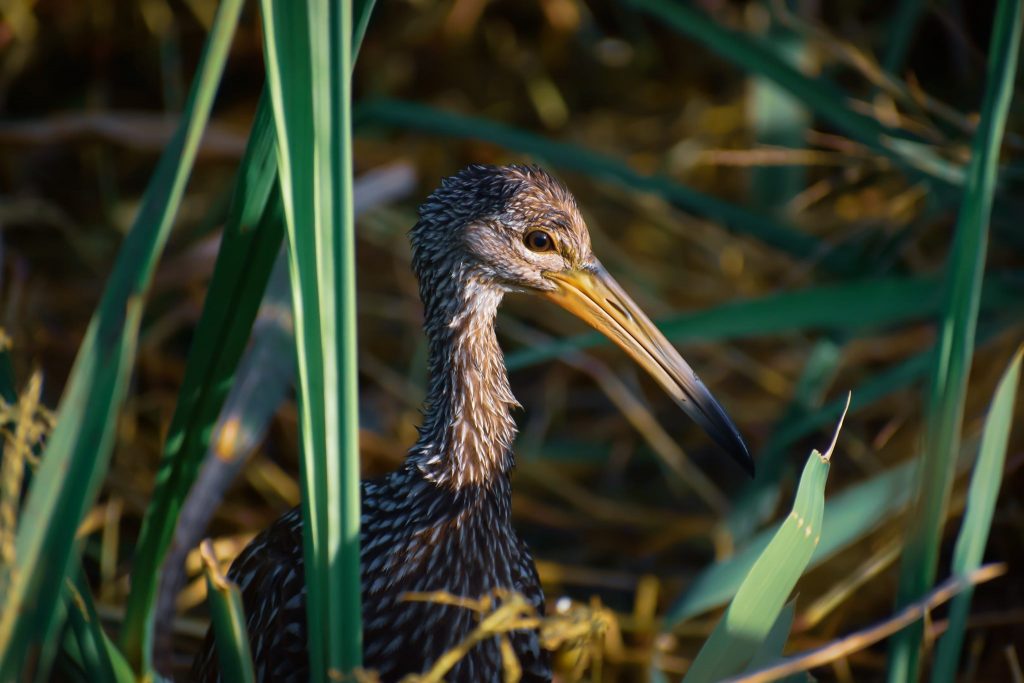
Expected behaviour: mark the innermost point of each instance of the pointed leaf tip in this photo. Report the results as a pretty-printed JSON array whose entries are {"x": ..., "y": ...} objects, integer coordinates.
[{"x": 827, "y": 455}]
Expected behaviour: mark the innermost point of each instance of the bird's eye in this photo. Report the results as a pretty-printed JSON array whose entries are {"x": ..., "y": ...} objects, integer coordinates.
[{"x": 538, "y": 240}]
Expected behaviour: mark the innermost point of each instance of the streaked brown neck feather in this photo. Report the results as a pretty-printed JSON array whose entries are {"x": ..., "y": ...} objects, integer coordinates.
[{"x": 467, "y": 433}]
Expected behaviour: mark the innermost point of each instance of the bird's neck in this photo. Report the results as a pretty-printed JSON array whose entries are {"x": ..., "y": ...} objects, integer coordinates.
[{"x": 468, "y": 430}]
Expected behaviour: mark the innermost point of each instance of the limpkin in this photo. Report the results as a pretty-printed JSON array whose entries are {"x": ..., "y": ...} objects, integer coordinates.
[{"x": 442, "y": 521}]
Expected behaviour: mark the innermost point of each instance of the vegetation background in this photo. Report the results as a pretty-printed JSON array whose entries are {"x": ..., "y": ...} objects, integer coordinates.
[{"x": 789, "y": 255}]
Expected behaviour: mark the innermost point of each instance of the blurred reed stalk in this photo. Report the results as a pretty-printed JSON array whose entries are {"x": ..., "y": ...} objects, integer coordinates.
[{"x": 955, "y": 349}]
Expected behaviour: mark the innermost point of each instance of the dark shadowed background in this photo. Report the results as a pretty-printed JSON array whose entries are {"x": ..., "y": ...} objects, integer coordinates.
[{"x": 789, "y": 256}]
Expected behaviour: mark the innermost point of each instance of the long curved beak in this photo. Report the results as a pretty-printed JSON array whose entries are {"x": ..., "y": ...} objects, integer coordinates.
[{"x": 594, "y": 296}]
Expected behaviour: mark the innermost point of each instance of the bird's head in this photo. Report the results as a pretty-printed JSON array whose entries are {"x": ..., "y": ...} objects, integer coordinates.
[{"x": 518, "y": 229}]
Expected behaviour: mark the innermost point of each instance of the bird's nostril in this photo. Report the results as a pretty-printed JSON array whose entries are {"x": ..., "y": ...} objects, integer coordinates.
[{"x": 618, "y": 307}]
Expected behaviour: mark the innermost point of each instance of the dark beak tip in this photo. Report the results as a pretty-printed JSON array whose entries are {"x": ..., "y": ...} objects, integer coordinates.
[
  {"x": 710, "y": 415},
  {"x": 732, "y": 443},
  {"x": 741, "y": 454}
]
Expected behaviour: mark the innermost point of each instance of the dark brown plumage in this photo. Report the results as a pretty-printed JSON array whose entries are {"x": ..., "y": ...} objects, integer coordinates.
[{"x": 442, "y": 521}]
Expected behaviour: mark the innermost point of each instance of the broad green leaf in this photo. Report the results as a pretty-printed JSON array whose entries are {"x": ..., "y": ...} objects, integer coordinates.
[
  {"x": 749, "y": 619},
  {"x": 332, "y": 44},
  {"x": 961, "y": 301},
  {"x": 977, "y": 522},
  {"x": 78, "y": 452}
]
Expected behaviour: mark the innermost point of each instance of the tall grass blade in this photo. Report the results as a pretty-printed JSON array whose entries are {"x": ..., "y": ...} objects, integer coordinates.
[
  {"x": 78, "y": 452},
  {"x": 287, "y": 55},
  {"x": 228, "y": 618},
  {"x": 361, "y": 14},
  {"x": 251, "y": 240},
  {"x": 977, "y": 522},
  {"x": 901, "y": 34},
  {"x": 754, "y": 611},
  {"x": 332, "y": 116},
  {"x": 99, "y": 657},
  {"x": 955, "y": 349},
  {"x": 778, "y": 119},
  {"x": 308, "y": 50},
  {"x": 82, "y": 649}
]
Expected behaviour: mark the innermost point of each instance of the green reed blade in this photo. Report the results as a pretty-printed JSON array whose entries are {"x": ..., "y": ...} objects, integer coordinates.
[
  {"x": 65, "y": 484},
  {"x": 777, "y": 118},
  {"x": 251, "y": 239},
  {"x": 308, "y": 54},
  {"x": 775, "y": 642},
  {"x": 901, "y": 33},
  {"x": 78, "y": 452},
  {"x": 228, "y": 618},
  {"x": 361, "y": 15},
  {"x": 287, "y": 54},
  {"x": 335, "y": 229},
  {"x": 977, "y": 522},
  {"x": 754, "y": 611},
  {"x": 962, "y": 293},
  {"x": 86, "y": 651},
  {"x": 100, "y": 657}
]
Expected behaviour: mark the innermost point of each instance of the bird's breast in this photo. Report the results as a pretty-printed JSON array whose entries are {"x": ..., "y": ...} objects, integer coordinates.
[{"x": 438, "y": 547}]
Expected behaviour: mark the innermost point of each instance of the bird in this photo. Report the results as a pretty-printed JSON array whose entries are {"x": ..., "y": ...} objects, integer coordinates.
[{"x": 442, "y": 520}]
